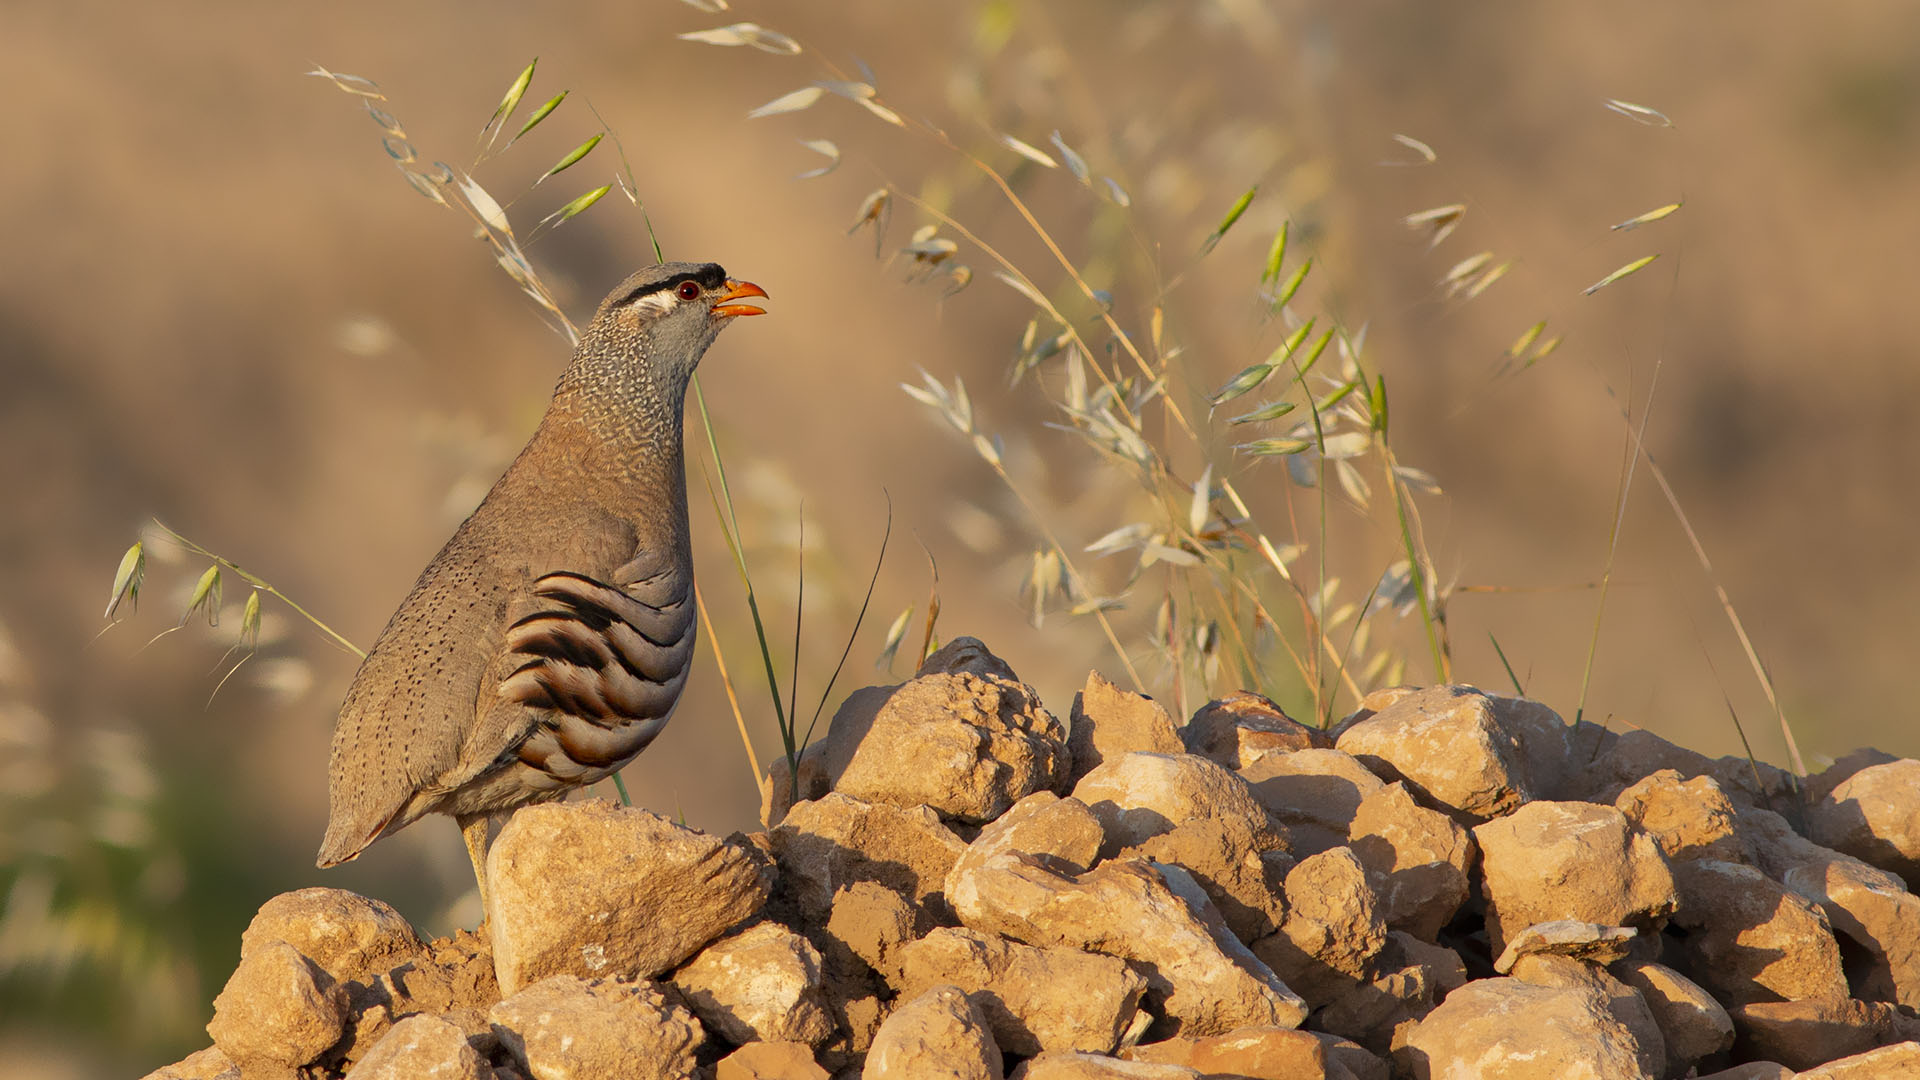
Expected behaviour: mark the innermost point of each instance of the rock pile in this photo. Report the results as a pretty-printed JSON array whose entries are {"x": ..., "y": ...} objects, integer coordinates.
[{"x": 953, "y": 884}]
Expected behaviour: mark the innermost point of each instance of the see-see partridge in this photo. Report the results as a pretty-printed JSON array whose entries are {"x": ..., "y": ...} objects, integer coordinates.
[{"x": 548, "y": 642}]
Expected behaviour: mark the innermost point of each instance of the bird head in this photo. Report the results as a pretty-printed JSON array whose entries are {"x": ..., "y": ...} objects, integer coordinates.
[{"x": 666, "y": 315}]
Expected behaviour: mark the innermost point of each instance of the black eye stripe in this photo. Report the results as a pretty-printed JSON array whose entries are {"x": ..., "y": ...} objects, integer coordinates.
[{"x": 710, "y": 276}]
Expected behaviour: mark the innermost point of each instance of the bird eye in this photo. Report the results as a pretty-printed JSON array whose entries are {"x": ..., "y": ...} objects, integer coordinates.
[{"x": 688, "y": 290}]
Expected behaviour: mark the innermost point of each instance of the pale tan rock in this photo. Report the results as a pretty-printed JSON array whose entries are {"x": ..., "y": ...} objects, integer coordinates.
[
  {"x": 208, "y": 1064},
  {"x": 1418, "y": 860},
  {"x": 1506, "y": 1029},
  {"x": 1201, "y": 976},
  {"x": 278, "y": 1008},
  {"x": 1567, "y": 937},
  {"x": 1689, "y": 819},
  {"x": 1223, "y": 855},
  {"x": 1874, "y": 816},
  {"x": 450, "y": 977},
  {"x": 1570, "y": 860},
  {"x": 762, "y": 984},
  {"x": 422, "y": 1047},
  {"x": 1371, "y": 704},
  {"x": 1806, "y": 1034},
  {"x": 1138, "y": 796},
  {"x": 937, "y": 1035},
  {"x": 1079, "y": 1065},
  {"x": 1380, "y": 1013},
  {"x": 1754, "y": 784},
  {"x": 1752, "y": 939},
  {"x": 822, "y": 764},
  {"x": 871, "y": 922},
  {"x": 1244, "y": 727},
  {"x": 770, "y": 1061},
  {"x": 1753, "y": 1070},
  {"x": 1821, "y": 784},
  {"x": 566, "y": 1028},
  {"x": 1634, "y": 756},
  {"x": 1314, "y": 793},
  {"x": 1040, "y": 824},
  {"x": 1901, "y": 1061},
  {"x": 967, "y": 745},
  {"x": 1448, "y": 744},
  {"x": 1108, "y": 721},
  {"x": 837, "y": 840},
  {"x": 1333, "y": 930},
  {"x": 598, "y": 890},
  {"x": 1256, "y": 1053},
  {"x": 1692, "y": 1023},
  {"x": 1358, "y": 1062},
  {"x": 349, "y": 936},
  {"x": 1619, "y": 999},
  {"x": 1443, "y": 966},
  {"x": 1870, "y": 906},
  {"x": 1033, "y": 999}
]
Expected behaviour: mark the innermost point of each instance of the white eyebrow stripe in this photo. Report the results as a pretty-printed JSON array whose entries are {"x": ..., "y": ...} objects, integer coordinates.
[{"x": 655, "y": 304}]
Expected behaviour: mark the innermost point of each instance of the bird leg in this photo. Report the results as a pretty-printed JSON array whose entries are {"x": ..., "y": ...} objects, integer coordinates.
[{"x": 473, "y": 829}]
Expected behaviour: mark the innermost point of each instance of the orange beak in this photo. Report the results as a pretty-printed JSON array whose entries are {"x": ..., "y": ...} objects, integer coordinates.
[{"x": 738, "y": 290}]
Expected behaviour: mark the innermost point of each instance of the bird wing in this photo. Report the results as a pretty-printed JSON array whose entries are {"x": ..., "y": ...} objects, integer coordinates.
[{"x": 591, "y": 672}]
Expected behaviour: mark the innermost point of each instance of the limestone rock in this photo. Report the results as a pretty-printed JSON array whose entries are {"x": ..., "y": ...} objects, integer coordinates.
[
  {"x": 278, "y": 1008},
  {"x": 1108, "y": 721},
  {"x": 1223, "y": 855},
  {"x": 1570, "y": 860},
  {"x": 1693, "y": 1024},
  {"x": 1137, "y": 796},
  {"x": 1805, "y": 1034},
  {"x": 870, "y": 922},
  {"x": 762, "y": 984},
  {"x": 1333, "y": 930},
  {"x": 1753, "y": 1070},
  {"x": 452, "y": 978},
  {"x": 422, "y": 1046},
  {"x": 1688, "y": 819},
  {"x": 565, "y": 1027},
  {"x": 1866, "y": 904},
  {"x": 967, "y": 745},
  {"x": 349, "y": 936},
  {"x": 1417, "y": 860},
  {"x": 1633, "y": 757},
  {"x": 1313, "y": 792},
  {"x": 1443, "y": 966},
  {"x": 1079, "y": 1065},
  {"x": 770, "y": 1061},
  {"x": 1752, "y": 939},
  {"x": 593, "y": 889},
  {"x": 1874, "y": 815},
  {"x": 1901, "y": 1061},
  {"x": 1199, "y": 974},
  {"x": 837, "y": 840},
  {"x": 1567, "y": 937},
  {"x": 1506, "y": 1029},
  {"x": 1378, "y": 1014},
  {"x": 1256, "y": 1053},
  {"x": 821, "y": 765},
  {"x": 1450, "y": 745},
  {"x": 1243, "y": 727},
  {"x": 935, "y": 1036},
  {"x": 1040, "y": 824},
  {"x": 1821, "y": 784},
  {"x": 1034, "y": 999},
  {"x": 208, "y": 1064},
  {"x": 1621, "y": 1001}
]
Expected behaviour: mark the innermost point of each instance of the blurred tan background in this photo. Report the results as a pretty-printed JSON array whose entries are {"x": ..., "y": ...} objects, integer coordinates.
[{"x": 222, "y": 307}]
